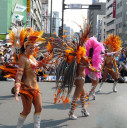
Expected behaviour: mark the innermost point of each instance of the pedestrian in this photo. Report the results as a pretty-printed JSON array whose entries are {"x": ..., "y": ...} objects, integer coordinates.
[
  {"x": 113, "y": 44},
  {"x": 93, "y": 51}
]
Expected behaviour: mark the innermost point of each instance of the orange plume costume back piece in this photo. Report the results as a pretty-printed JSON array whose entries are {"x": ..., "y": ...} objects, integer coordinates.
[{"x": 67, "y": 55}]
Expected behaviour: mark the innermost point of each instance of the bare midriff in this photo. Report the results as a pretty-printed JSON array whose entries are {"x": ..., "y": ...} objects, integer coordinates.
[{"x": 29, "y": 75}]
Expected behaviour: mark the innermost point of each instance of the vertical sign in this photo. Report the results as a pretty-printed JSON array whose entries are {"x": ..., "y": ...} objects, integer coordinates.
[
  {"x": 28, "y": 14},
  {"x": 114, "y": 9}
]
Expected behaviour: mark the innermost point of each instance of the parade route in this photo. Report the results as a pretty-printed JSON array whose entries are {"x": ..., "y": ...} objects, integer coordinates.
[{"x": 107, "y": 111}]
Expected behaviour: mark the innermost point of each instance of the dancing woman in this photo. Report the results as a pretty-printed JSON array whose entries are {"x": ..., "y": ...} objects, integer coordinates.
[
  {"x": 71, "y": 71},
  {"x": 113, "y": 44},
  {"x": 26, "y": 80},
  {"x": 94, "y": 50}
]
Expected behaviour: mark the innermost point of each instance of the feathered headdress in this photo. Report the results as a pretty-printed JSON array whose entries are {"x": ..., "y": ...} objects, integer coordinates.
[
  {"x": 18, "y": 38},
  {"x": 113, "y": 42},
  {"x": 96, "y": 59}
]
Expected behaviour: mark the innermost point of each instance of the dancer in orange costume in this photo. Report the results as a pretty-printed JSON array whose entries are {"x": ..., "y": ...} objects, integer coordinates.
[
  {"x": 25, "y": 80},
  {"x": 113, "y": 44}
]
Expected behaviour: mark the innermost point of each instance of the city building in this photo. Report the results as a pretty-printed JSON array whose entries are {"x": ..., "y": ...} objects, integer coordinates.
[
  {"x": 7, "y": 10},
  {"x": 101, "y": 25},
  {"x": 45, "y": 17},
  {"x": 34, "y": 10},
  {"x": 110, "y": 18},
  {"x": 12, "y": 15},
  {"x": 121, "y": 19},
  {"x": 92, "y": 17},
  {"x": 55, "y": 22}
]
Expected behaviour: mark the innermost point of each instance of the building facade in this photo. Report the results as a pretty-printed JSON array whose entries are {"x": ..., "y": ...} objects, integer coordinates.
[
  {"x": 110, "y": 19},
  {"x": 101, "y": 25},
  {"x": 121, "y": 20},
  {"x": 92, "y": 18},
  {"x": 34, "y": 14},
  {"x": 45, "y": 17},
  {"x": 6, "y": 12}
]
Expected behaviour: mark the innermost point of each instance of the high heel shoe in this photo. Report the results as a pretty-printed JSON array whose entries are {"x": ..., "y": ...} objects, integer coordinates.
[
  {"x": 84, "y": 113},
  {"x": 93, "y": 97},
  {"x": 72, "y": 116}
]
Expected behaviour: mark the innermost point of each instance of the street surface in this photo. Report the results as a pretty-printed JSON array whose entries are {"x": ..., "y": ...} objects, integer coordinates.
[{"x": 109, "y": 110}]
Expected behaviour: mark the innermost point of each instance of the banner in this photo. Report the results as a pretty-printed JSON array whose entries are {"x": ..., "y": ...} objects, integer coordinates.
[
  {"x": 28, "y": 6},
  {"x": 2, "y": 36},
  {"x": 19, "y": 8},
  {"x": 17, "y": 17},
  {"x": 114, "y": 9}
]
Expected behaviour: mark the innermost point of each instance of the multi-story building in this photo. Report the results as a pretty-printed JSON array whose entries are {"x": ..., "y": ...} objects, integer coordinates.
[
  {"x": 101, "y": 28},
  {"x": 6, "y": 11},
  {"x": 31, "y": 15},
  {"x": 92, "y": 18},
  {"x": 45, "y": 17},
  {"x": 55, "y": 22},
  {"x": 121, "y": 20},
  {"x": 34, "y": 10},
  {"x": 110, "y": 19}
]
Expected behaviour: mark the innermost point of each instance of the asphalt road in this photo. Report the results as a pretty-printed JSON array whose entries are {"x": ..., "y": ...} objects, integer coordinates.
[{"x": 109, "y": 110}]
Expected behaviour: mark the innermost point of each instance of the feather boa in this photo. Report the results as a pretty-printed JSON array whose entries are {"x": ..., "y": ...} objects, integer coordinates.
[{"x": 97, "y": 58}]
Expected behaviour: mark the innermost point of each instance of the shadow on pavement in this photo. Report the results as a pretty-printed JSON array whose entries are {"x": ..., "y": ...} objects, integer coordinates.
[
  {"x": 44, "y": 124},
  {"x": 5, "y": 126},
  {"x": 58, "y": 106},
  {"x": 104, "y": 93},
  {"x": 6, "y": 97},
  {"x": 53, "y": 123}
]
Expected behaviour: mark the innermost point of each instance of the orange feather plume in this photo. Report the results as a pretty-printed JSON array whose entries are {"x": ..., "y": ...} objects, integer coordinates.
[{"x": 113, "y": 42}]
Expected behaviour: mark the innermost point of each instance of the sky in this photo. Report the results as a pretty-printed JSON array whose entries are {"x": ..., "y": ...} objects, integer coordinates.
[{"x": 72, "y": 15}]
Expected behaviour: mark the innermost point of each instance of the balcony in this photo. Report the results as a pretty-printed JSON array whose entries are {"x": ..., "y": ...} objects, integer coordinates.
[{"x": 109, "y": 3}]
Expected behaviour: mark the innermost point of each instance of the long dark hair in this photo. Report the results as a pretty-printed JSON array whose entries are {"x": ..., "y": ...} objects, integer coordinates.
[
  {"x": 91, "y": 52},
  {"x": 22, "y": 50}
]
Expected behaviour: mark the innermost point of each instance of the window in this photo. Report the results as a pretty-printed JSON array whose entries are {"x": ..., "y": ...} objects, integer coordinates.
[
  {"x": 117, "y": 5},
  {"x": 120, "y": 3}
]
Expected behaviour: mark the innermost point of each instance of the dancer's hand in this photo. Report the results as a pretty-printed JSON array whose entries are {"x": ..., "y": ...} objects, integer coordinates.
[
  {"x": 16, "y": 96},
  {"x": 98, "y": 70}
]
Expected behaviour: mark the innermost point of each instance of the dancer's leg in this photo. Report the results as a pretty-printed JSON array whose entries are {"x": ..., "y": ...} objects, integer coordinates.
[
  {"x": 115, "y": 77},
  {"x": 27, "y": 103},
  {"x": 105, "y": 74},
  {"x": 82, "y": 100},
  {"x": 38, "y": 108},
  {"x": 78, "y": 89}
]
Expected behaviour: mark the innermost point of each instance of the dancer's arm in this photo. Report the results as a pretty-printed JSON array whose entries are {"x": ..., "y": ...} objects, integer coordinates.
[
  {"x": 19, "y": 77},
  {"x": 44, "y": 61},
  {"x": 102, "y": 67},
  {"x": 86, "y": 62},
  {"x": 116, "y": 67}
]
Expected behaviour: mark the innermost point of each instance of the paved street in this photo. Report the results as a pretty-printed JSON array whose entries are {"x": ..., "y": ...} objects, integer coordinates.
[{"x": 109, "y": 110}]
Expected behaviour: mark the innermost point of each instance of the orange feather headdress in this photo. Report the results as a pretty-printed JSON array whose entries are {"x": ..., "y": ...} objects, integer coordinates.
[{"x": 113, "y": 42}]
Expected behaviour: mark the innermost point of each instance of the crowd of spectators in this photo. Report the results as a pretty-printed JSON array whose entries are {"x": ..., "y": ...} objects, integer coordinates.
[{"x": 7, "y": 56}]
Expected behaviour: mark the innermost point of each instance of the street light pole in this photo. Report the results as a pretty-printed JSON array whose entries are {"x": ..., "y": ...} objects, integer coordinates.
[
  {"x": 51, "y": 20},
  {"x": 62, "y": 15}
]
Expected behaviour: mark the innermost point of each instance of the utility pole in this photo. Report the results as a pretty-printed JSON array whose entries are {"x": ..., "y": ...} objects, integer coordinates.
[
  {"x": 51, "y": 20},
  {"x": 62, "y": 15}
]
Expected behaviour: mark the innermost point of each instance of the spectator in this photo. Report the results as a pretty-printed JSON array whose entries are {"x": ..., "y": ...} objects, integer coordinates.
[
  {"x": 1, "y": 58},
  {"x": 123, "y": 69},
  {"x": 122, "y": 56}
]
